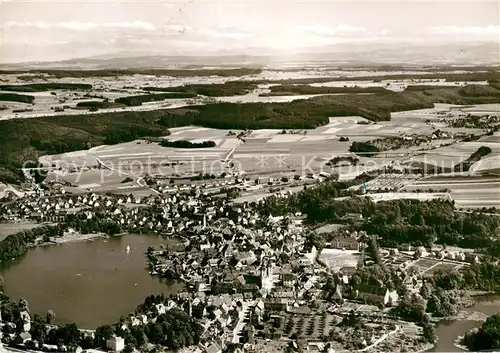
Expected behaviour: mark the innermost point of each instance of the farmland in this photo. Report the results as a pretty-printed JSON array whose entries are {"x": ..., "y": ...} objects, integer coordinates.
[
  {"x": 277, "y": 153},
  {"x": 288, "y": 134}
]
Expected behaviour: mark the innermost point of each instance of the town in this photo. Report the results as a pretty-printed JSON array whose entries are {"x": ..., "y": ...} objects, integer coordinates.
[
  {"x": 253, "y": 280},
  {"x": 185, "y": 176}
]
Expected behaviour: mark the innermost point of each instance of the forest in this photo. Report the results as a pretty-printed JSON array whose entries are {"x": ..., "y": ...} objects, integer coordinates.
[
  {"x": 363, "y": 148},
  {"x": 44, "y": 87},
  {"x": 13, "y": 97},
  {"x": 96, "y": 105},
  {"x": 144, "y": 98},
  {"x": 286, "y": 90},
  {"x": 230, "y": 88},
  {"x": 187, "y": 144}
]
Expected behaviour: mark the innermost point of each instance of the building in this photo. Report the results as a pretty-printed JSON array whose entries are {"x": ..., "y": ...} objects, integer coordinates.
[
  {"x": 353, "y": 217},
  {"x": 347, "y": 243},
  {"x": 288, "y": 279},
  {"x": 115, "y": 344},
  {"x": 263, "y": 180},
  {"x": 377, "y": 295}
]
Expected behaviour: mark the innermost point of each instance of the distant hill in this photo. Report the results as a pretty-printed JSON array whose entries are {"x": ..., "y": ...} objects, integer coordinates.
[{"x": 336, "y": 55}]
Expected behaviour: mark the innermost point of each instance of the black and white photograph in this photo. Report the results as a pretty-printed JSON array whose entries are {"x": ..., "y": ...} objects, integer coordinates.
[{"x": 249, "y": 176}]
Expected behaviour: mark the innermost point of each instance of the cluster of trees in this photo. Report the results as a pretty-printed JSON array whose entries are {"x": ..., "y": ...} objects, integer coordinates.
[
  {"x": 44, "y": 87},
  {"x": 290, "y": 89},
  {"x": 480, "y": 91},
  {"x": 187, "y": 144},
  {"x": 138, "y": 100},
  {"x": 474, "y": 157},
  {"x": 173, "y": 330},
  {"x": 95, "y": 225},
  {"x": 230, "y": 88},
  {"x": 423, "y": 223},
  {"x": 336, "y": 160},
  {"x": 484, "y": 276},
  {"x": 412, "y": 308},
  {"x": 202, "y": 176},
  {"x": 487, "y": 337},
  {"x": 318, "y": 202},
  {"x": 63, "y": 145},
  {"x": 96, "y": 105},
  {"x": 13, "y": 97},
  {"x": 396, "y": 221},
  {"x": 114, "y": 136},
  {"x": 16, "y": 245},
  {"x": 475, "y": 121},
  {"x": 363, "y": 148}
]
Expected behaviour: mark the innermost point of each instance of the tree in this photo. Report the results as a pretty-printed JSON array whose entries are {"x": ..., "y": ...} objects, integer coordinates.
[
  {"x": 102, "y": 334},
  {"x": 374, "y": 250},
  {"x": 487, "y": 337},
  {"x": 50, "y": 317},
  {"x": 411, "y": 308},
  {"x": 426, "y": 290},
  {"x": 23, "y": 304},
  {"x": 429, "y": 333}
]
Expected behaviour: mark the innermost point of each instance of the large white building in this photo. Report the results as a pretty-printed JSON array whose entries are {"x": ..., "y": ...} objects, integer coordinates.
[{"x": 115, "y": 343}]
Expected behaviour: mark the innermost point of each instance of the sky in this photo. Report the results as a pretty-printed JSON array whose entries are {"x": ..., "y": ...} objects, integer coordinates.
[{"x": 40, "y": 30}]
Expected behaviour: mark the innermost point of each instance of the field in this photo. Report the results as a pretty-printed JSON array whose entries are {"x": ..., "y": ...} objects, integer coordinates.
[
  {"x": 449, "y": 156},
  {"x": 276, "y": 153},
  {"x": 313, "y": 326},
  {"x": 424, "y": 265},
  {"x": 466, "y": 191},
  {"x": 63, "y": 126},
  {"x": 336, "y": 259}
]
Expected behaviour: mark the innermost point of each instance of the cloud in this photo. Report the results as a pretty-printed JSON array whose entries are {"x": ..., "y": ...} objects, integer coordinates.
[
  {"x": 75, "y": 25},
  {"x": 132, "y": 25},
  {"x": 464, "y": 30},
  {"x": 224, "y": 32},
  {"x": 81, "y": 26},
  {"x": 27, "y": 24},
  {"x": 331, "y": 31}
]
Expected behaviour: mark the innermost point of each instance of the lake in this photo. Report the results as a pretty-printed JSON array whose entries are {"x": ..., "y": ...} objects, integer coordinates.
[
  {"x": 449, "y": 330},
  {"x": 91, "y": 283}
]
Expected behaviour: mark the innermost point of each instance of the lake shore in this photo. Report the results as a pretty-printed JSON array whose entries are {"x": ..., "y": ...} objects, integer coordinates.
[{"x": 74, "y": 237}]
